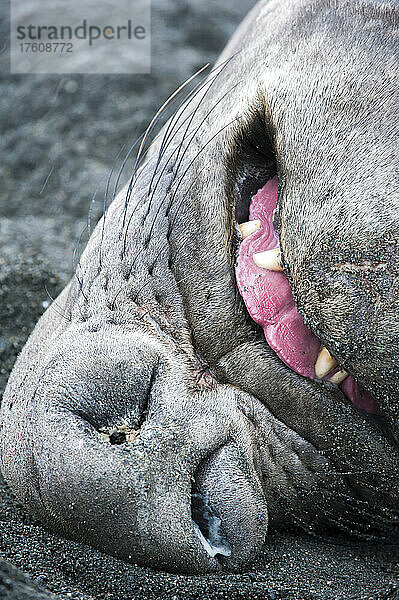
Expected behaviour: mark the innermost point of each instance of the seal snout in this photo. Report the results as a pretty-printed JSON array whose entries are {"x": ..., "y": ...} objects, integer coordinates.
[{"x": 119, "y": 437}]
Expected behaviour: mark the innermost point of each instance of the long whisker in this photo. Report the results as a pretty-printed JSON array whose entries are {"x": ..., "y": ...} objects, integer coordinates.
[
  {"x": 190, "y": 164},
  {"x": 91, "y": 206},
  {"x": 105, "y": 205},
  {"x": 171, "y": 130},
  {"x": 79, "y": 280},
  {"x": 147, "y": 133},
  {"x": 132, "y": 147},
  {"x": 61, "y": 311},
  {"x": 194, "y": 182},
  {"x": 179, "y": 148},
  {"x": 76, "y": 252}
]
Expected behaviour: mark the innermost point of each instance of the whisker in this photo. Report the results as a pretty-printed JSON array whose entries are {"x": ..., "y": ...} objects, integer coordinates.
[
  {"x": 175, "y": 216},
  {"x": 76, "y": 273},
  {"x": 190, "y": 164},
  {"x": 46, "y": 180},
  {"x": 105, "y": 204},
  {"x": 190, "y": 117},
  {"x": 76, "y": 261},
  {"x": 180, "y": 203},
  {"x": 91, "y": 206},
  {"x": 124, "y": 163},
  {"x": 111, "y": 305},
  {"x": 179, "y": 183},
  {"x": 211, "y": 110},
  {"x": 187, "y": 169},
  {"x": 365, "y": 508},
  {"x": 165, "y": 104},
  {"x": 135, "y": 298},
  {"x": 147, "y": 133},
  {"x": 93, "y": 199},
  {"x": 171, "y": 131},
  {"x": 61, "y": 311}
]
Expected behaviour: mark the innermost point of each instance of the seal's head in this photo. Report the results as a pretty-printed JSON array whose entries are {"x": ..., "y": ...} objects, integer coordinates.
[{"x": 198, "y": 380}]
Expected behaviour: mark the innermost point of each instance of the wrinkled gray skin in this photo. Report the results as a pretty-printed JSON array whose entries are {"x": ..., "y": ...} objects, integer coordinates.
[{"x": 152, "y": 333}]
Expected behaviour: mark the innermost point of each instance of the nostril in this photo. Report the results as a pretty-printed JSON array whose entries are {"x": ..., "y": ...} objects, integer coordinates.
[
  {"x": 229, "y": 508},
  {"x": 208, "y": 526},
  {"x": 119, "y": 435}
]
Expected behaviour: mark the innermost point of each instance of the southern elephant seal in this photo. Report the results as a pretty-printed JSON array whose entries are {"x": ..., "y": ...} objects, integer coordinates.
[{"x": 171, "y": 404}]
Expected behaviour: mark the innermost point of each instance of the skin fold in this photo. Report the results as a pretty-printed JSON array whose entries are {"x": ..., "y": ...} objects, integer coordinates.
[{"x": 146, "y": 381}]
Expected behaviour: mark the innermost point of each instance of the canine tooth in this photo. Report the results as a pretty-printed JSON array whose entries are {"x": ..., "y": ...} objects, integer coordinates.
[
  {"x": 324, "y": 363},
  {"x": 339, "y": 377},
  {"x": 249, "y": 228},
  {"x": 270, "y": 259}
]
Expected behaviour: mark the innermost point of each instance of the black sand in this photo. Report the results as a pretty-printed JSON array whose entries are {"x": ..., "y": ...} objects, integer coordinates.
[
  {"x": 291, "y": 567},
  {"x": 67, "y": 131}
]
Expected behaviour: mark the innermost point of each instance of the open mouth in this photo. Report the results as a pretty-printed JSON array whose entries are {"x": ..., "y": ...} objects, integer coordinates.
[{"x": 265, "y": 290}]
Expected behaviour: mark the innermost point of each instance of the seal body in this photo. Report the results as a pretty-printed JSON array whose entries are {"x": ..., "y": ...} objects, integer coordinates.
[{"x": 190, "y": 386}]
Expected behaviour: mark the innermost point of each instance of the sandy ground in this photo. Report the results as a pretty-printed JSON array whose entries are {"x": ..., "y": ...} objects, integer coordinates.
[{"x": 59, "y": 139}]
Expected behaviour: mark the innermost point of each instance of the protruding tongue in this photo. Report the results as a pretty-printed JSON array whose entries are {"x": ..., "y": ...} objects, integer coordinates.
[{"x": 269, "y": 300}]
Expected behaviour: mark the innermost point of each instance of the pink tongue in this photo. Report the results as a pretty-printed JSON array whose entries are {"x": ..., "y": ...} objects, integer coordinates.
[{"x": 269, "y": 300}]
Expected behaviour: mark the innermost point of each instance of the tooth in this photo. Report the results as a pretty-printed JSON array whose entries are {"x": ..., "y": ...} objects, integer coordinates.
[
  {"x": 324, "y": 363},
  {"x": 249, "y": 228},
  {"x": 339, "y": 377},
  {"x": 269, "y": 260}
]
